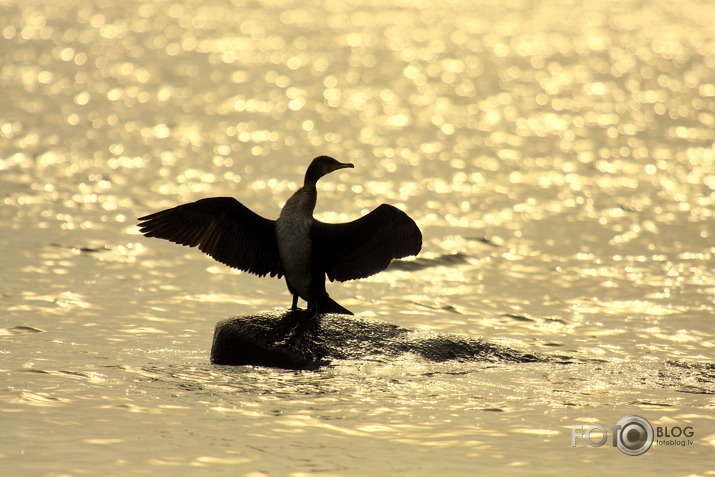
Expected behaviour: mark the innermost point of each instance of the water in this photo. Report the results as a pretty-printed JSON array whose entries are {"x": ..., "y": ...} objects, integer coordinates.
[{"x": 558, "y": 157}]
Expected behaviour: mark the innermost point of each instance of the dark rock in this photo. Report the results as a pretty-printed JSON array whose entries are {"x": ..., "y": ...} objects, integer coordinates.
[{"x": 294, "y": 340}]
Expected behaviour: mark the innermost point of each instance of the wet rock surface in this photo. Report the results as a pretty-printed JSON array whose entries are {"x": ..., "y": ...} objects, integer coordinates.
[{"x": 295, "y": 340}]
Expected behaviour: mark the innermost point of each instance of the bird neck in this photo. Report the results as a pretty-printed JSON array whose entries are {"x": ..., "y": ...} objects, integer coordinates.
[
  {"x": 312, "y": 175},
  {"x": 310, "y": 182},
  {"x": 302, "y": 202},
  {"x": 310, "y": 194}
]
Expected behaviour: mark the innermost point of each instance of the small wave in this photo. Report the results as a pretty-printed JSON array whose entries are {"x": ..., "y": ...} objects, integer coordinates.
[
  {"x": 446, "y": 259},
  {"x": 19, "y": 330}
]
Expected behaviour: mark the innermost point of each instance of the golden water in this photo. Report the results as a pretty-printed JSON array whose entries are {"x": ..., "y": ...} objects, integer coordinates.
[{"x": 557, "y": 155}]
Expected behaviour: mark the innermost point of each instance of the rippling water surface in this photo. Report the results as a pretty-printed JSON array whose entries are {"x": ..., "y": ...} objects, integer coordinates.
[{"x": 557, "y": 155}]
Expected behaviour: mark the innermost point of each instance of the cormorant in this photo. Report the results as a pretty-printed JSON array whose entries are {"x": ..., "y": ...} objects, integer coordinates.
[{"x": 296, "y": 245}]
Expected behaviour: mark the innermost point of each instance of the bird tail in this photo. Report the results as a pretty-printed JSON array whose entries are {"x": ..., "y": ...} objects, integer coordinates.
[{"x": 328, "y": 305}]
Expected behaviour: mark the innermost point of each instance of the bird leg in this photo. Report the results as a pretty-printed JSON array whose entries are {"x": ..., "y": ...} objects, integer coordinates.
[
  {"x": 294, "y": 305},
  {"x": 314, "y": 308}
]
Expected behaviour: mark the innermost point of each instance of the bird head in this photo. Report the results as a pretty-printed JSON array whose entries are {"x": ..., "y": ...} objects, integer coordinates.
[{"x": 322, "y": 165}]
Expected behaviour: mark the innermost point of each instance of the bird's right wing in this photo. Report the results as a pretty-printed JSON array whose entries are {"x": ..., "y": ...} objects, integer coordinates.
[
  {"x": 366, "y": 246},
  {"x": 223, "y": 228}
]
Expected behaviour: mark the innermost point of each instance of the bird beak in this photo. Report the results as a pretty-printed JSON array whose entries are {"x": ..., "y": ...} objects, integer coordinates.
[{"x": 343, "y": 165}]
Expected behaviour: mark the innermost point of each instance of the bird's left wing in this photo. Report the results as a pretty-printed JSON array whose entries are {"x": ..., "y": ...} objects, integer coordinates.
[
  {"x": 223, "y": 228},
  {"x": 366, "y": 246}
]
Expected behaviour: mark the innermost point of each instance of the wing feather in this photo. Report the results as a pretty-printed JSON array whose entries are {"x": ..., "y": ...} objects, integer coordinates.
[
  {"x": 366, "y": 246},
  {"x": 222, "y": 228}
]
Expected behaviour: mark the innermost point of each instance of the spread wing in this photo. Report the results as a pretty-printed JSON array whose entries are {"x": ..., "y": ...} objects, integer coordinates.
[
  {"x": 366, "y": 246},
  {"x": 223, "y": 228}
]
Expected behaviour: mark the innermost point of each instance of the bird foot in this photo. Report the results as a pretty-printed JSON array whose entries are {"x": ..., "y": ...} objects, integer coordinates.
[{"x": 296, "y": 324}]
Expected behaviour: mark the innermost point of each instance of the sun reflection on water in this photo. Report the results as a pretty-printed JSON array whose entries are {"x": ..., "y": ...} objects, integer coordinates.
[{"x": 557, "y": 156}]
